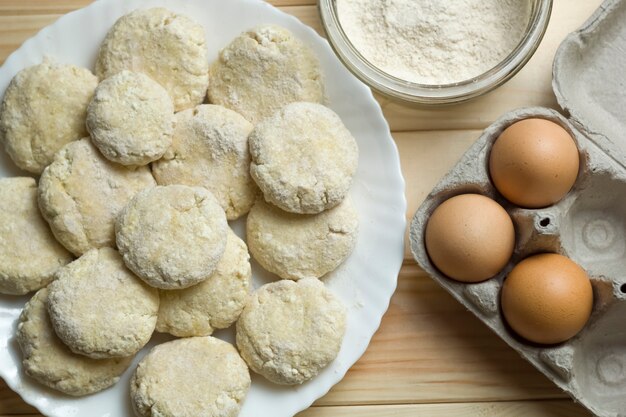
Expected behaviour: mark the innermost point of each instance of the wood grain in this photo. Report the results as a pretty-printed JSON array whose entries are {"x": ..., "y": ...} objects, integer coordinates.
[
  {"x": 501, "y": 409},
  {"x": 11, "y": 403},
  {"x": 14, "y": 30}
]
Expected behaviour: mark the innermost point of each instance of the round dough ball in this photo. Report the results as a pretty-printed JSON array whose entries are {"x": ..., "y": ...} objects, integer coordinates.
[
  {"x": 210, "y": 149},
  {"x": 167, "y": 46},
  {"x": 198, "y": 376},
  {"x": 215, "y": 303},
  {"x": 100, "y": 309},
  {"x": 172, "y": 236},
  {"x": 262, "y": 70},
  {"x": 51, "y": 363},
  {"x": 289, "y": 331},
  {"x": 303, "y": 158},
  {"x": 81, "y": 193},
  {"x": 297, "y": 246},
  {"x": 29, "y": 254},
  {"x": 44, "y": 108},
  {"x": 131, "y": 119}
]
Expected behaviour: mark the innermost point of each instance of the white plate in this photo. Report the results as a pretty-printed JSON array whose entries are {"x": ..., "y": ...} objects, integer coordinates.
[{"x": 365, "y": 282}]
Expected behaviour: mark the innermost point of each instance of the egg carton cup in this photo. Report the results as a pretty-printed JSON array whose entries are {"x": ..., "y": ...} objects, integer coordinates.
[{"x": 588, "y": 225}]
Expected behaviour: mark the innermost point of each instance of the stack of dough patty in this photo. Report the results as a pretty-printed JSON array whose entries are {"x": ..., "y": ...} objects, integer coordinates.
[{"x": 128, "y": 223}]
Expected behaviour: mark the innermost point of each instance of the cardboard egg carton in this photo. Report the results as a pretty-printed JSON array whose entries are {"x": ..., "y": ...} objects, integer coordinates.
[{"x": 588, "y": 225}]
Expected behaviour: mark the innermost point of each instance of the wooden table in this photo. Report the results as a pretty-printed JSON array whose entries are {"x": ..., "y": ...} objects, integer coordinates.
[{"x": 430, "y": 356}]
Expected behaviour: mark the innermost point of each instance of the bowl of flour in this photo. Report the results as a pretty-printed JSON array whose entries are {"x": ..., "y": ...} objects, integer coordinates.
[{"x": 433, "y": 51}]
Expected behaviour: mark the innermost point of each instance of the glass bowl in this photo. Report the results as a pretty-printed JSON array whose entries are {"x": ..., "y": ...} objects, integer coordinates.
[{"x": 396, "y": 88}]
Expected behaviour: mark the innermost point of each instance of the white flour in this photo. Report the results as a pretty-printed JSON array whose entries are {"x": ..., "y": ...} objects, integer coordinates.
[{"x": 434, "y": 41}]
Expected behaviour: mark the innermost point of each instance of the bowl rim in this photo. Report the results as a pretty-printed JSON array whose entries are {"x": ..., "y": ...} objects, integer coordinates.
[{"x": 435, "y": 94}]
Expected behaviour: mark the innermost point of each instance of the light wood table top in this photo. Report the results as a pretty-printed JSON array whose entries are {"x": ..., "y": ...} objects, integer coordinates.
[{"x": 430, "y": 356}]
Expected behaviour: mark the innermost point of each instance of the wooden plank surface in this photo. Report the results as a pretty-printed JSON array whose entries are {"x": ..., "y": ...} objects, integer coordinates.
[
  {"x": 430, "y": 356},
  {"x": 504, "y": 409}
]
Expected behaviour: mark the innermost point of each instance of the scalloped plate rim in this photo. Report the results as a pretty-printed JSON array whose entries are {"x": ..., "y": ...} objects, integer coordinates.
[{"x": 397, "y": 220}]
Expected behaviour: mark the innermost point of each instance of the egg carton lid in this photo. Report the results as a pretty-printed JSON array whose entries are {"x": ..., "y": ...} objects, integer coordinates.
[{"x": 589, "y": 78}]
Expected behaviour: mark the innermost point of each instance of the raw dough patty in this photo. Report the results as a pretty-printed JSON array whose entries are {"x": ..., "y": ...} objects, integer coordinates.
[
  {"x": 44, "y": 108},
  {"x": 131, "y": 118},
  {"x": 100, "y": 309},
  {"x": 262, "y": 70},
  {"x": 297, "y": 246},
  {"x": 29, "y": 254},
  {"x": 215, "y": 303},
  {"x": 210, "y": 149},
  {"x": 81, "y": 193},
  {"x": 303, "y": 158},
  {"x": 290, "y": 330},
  {"x": 172, "y": 236},
  {"x": 50, "y": 362},
  {"x": 193, "y": 377},
  {"x": 167, "y": 46}
]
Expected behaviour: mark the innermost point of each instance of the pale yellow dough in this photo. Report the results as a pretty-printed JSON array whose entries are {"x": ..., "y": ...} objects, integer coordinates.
[
  {"x": 289, "y": 331},
  {"x": 172, "y": 236},
  {"x": 29, "y": 254},
  {"x": 262, "y": 70},
  {"x": 210, "y": 149},
  {"x": 100, "y": 309},
  {"x": 131, "y": 119},
  {"x": 47, "y": 360},
  {"x": 192, "y": 377},
  {"x": 303, "y": 158},
  {"x": 44, "y": 107},
  {"x": 167, "y": 46},
  {"x": 81, "y": 194},
  {"x": 298, "y": 246},
  {"x": 215, "y": 303}
]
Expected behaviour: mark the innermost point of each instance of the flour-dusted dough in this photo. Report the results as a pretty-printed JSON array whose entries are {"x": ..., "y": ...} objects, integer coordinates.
[
  {"x": 50, "y": 362},
  {"x": 100, "y": 309},
  {"x": 172, "y": 236},
  {"x": 215, "y": 303},
  {"x": 192, "y": 377},
  {"x": 44, "y": 108},
  {"x": 210, "y": 149},
  {"x": 290, "y": 330},
  {"x": 303, "y": 158},
  {"x": 167, "y": 46},
  {"x": 131, "y": 118},
  {"x": 29, "y": 254},
  {"x": 81, "y": 193},
  {"x": 297, "y": 246},
  {"x": 262, "y": 70}
]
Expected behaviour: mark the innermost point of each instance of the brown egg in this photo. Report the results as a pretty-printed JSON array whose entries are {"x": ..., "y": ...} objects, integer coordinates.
[
  {"x": 470, "y": 238},
  {"x": 547, "y": 298},
  {"x": 534, "y": 163}
]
